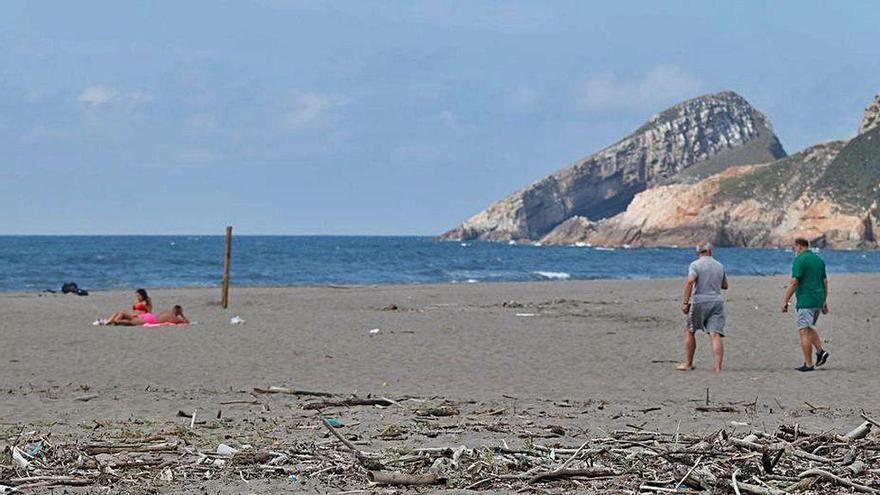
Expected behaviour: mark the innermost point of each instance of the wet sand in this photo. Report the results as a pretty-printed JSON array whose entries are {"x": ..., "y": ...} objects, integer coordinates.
[{"x": 590, "y": 356}]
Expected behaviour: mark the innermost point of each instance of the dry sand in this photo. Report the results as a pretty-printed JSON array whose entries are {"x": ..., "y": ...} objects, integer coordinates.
[{"x": 591, "y": 356}]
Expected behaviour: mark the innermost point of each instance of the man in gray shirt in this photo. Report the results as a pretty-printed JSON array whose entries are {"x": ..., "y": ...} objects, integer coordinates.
[{"x": 704, "y": 305}]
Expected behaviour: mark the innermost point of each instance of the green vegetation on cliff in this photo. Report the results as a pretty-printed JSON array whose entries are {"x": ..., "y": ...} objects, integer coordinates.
[
  {"x": 783, "y": 180},
  {"x": 853, "y": 177}
]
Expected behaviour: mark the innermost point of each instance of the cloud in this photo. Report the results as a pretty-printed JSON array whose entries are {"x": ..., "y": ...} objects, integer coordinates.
[
  {"x": 523, "y": 97},
  {"x": 414, "y": 154},
  {"x": 662, "y": 85},
  {"x": 304, "y": 109},
  {"x": 201, "y": 123},
  {"x": 197, "y": 156},
  {"x": 97, "y": 95},
  {"x": 35, "y": 134},
  {"x": 448, "y": 118},
  {"x": 136, "y": 99},
  {"x": 105, "y": 96}
]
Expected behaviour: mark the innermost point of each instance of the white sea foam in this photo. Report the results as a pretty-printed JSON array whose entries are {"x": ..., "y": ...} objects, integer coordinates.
[
  {"x": 554, "y": 275},
  {"x": 603, "y": 248},
  {"x": 582, "y": 244},
  {"x": 472, "y": 280}
]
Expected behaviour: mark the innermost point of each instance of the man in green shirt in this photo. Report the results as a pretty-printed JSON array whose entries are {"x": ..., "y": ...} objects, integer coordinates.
[{"x": 810, "y": 283}]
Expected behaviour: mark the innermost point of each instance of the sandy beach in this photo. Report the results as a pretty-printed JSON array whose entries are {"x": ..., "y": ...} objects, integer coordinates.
[{"x": 587, "y": 357}]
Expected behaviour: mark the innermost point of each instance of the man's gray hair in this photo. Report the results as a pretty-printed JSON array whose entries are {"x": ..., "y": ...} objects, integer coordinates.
[{"x": 704, "y": 247}]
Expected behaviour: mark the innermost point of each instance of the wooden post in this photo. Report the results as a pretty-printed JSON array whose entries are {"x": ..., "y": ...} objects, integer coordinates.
[{"x": 224, "y": 299}]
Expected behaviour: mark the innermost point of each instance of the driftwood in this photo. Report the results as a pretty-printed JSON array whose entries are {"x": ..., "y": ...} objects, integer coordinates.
[
  {"x": 392, "y": 478},
  {"x": 115, "y": 448},
  {"x": 290, "y": 391},
  {"x": 575, "y": 473},
  {"x": 759, "y": 490},
  {"x": 46, "y": 480},
  {"x": 439, "y": 411},
  {"x": 352, "y": 401},
  {"x": 786, "y": 461},
  {"x": 717, "y": 409},
  {"x": 859, "y": 432},
  {"x": 838, "y": 480}
]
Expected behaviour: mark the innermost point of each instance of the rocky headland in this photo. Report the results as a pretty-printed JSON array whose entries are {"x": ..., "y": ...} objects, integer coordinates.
[{"x": 711, "y": 169}]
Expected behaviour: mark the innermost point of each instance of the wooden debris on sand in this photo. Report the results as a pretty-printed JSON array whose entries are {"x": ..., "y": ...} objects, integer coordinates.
[{"x": 786, "y": 461}]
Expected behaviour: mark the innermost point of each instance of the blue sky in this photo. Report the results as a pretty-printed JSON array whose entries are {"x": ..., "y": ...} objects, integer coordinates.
[{"x": 300, "y": 117}]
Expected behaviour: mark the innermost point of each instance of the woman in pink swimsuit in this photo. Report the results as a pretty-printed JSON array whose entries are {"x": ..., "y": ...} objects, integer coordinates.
[{"x": 142, "y": 312}]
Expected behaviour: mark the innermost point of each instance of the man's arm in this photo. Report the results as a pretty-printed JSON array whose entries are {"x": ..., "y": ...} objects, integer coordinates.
[
  {"x": 724, "y": 284},
  {"x": 788, "y": 293},
  {"x": 688, "y": 288},
  {"x": 825, "y": 302}
]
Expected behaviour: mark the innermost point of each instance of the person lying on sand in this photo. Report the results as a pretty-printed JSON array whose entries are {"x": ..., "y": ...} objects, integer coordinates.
[
  {"x": 143, "y": 307},
  {"x": 704, "y": 305},
  {"x": 174, "y": 315}
]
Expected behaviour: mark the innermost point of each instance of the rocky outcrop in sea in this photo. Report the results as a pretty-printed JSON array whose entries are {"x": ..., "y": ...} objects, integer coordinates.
[
  {"x": 745, "y": 194},
  {"x": 684, "y": 143}
]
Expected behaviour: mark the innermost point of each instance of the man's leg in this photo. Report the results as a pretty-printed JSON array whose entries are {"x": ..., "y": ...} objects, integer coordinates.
[
  {"x": 807, "y": 345},
  {"x": 815, "y": 339},
  {"x": 816, "y": 342},
  {"x": 717, "y": 350},
  {"x": 690, "y": 346}
]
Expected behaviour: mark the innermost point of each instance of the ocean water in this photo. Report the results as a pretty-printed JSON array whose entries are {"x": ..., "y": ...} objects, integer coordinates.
[{"x": 32, "y": 263}]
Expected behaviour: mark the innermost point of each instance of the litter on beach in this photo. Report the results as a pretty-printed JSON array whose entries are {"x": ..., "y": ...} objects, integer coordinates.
[
  {"x": 236, "y": 320},
  {"x": 226, "y": 450}
]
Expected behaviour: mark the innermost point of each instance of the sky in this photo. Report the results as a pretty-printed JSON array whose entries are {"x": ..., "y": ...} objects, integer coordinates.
[{"x": 361, "y": 117}]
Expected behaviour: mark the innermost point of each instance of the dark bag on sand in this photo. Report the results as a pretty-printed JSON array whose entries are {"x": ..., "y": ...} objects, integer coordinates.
[{"x": 72, "y": 288}]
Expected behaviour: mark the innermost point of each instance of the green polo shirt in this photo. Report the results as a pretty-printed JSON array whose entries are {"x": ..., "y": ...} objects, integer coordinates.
[{"x": 809, "y": 270}]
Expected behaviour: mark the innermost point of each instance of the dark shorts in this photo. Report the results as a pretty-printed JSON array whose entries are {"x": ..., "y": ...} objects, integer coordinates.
[
  {"x": 707, "y": 316},
  {"x": 807, "y": 317}
]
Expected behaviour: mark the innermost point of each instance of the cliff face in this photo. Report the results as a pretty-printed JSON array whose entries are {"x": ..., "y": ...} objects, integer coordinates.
[
  {"x": 685, "y": 143},
  {"x": 827, "y": 193}
]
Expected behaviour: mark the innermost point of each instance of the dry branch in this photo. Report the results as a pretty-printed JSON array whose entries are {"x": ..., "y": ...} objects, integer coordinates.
[{"x": 392, "y": 478}]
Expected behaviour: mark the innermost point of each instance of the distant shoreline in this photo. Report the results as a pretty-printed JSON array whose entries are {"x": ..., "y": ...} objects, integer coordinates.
[{"x": 411, "y": 285}]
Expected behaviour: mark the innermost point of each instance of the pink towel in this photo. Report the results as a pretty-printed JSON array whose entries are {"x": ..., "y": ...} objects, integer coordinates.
[{"x": 166, "y": 324}]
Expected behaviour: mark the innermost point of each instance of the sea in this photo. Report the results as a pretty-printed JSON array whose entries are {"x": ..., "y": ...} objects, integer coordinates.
[{"x": 36, "y": 263}]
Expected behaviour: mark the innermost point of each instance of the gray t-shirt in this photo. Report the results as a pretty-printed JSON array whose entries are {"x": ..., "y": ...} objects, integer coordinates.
[{"x": 709, "y": 273}]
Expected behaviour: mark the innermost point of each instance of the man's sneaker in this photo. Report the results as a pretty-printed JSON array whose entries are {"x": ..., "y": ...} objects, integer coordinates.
[
  {"x": 804, "y": 367},
  {"x": 821, "y": 357}
]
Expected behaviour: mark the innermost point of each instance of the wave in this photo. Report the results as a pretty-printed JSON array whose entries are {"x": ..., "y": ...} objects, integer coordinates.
[{"x": 554, "y": 275}]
